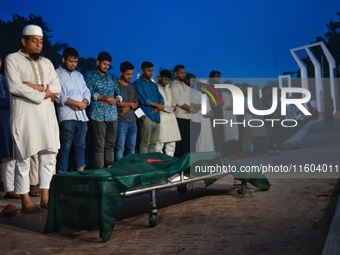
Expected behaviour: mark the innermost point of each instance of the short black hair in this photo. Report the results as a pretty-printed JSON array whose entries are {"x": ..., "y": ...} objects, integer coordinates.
[
  {"x": 125, "y": 66},
  {"x": 165, "y": 73},
  {"x": 213, "y": 73},
  {"x": 188, "y": 77},
  {"x": 147, "y": 64},
  {"x": 70, "y": 52},
  {"x": 176, "y": 68},
  {"x": 102, "y": 56}
]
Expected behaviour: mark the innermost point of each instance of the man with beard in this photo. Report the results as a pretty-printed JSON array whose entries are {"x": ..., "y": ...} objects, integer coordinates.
[
  {"x": 169, "y": 132},
  {"x": 181, "y": 94},
  {"x": 34, "y": 85},
  {"x": 105, "y": 96},
  {"x": 151, "y": 102}
]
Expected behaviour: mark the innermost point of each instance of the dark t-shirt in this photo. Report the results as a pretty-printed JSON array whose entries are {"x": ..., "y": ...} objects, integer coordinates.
[{"x": 129, "y": 95}]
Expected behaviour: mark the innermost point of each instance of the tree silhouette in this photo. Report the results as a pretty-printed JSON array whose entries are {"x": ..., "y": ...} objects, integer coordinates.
[
  {"x": 332, "y": 41},
  {"x": 10, "y": 34}
]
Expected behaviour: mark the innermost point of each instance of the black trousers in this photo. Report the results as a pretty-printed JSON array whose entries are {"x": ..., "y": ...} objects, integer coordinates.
[{"x": 183, "y": 146}]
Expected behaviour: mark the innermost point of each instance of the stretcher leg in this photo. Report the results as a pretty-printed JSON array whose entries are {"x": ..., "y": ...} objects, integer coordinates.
[
  {"x": 182, "y": 189},
  {"x": 153, "y": 210},
  {"x": 241, "y": 189}
]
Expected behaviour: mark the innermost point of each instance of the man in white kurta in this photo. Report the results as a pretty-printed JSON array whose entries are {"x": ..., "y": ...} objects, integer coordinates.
[
  {"x": 34, "y": 85},
  {"x": 168, "y": 127},
  {"x": 181, "y": 95}
]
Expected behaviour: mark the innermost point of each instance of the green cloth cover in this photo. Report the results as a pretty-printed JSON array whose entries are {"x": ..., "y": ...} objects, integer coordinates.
[{"x": 91, "y": 199}]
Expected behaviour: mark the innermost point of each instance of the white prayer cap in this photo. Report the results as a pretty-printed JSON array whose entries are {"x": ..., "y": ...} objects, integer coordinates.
[
  {"x": 204, "y": 81},
  {"x": 32, "y": 30}
]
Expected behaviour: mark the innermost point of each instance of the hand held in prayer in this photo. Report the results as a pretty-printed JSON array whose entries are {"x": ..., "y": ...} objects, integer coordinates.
[
  {"x": 125, "y": 110},
  {"x": 160, "y": 107},
  {"x": 82, "y": 106},
  {"x": 155, "y": 111},
  {"x": 111, "y": 100},
  {"x": 74, "y": 108}
]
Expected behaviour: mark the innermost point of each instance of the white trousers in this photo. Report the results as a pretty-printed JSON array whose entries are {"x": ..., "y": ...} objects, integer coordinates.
[
  {"x": 169, "y": 148},
  {"x": 47, "y": 161},
  {"x": 8, "y": 171}
]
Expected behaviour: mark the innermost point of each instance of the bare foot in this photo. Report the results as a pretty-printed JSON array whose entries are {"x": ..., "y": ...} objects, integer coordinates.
[{"x": 44, "y": 205}]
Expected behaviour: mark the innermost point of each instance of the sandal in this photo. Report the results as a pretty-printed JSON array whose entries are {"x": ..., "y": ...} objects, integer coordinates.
[
  {"x": 12, "y": 195},
  {"x": 34, "y": 191},
  {"x": 31, "y": 209},
  {"x": 9, "y": 210}
]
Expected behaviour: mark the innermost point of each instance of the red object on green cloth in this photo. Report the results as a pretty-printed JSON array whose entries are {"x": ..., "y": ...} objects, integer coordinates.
[{"x": 151, "y": 160}]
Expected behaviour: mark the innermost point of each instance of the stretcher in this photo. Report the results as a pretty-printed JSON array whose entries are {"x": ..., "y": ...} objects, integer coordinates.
[{"x": 91, "y": 199}]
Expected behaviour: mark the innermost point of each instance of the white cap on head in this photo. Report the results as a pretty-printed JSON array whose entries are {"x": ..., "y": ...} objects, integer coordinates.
[
  {"x": 32, "y": 30},
  {"x": 204, "y": 81}
]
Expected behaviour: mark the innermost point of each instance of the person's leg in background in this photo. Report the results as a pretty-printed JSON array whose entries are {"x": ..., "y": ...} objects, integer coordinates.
[
  {"x": 8, "y": 171},
  {"x": 99, "y": 133},
  {"x": 154, "y": 136},
  {"x": 170, "y": 148},
  {"x": 121, "y": 140},
  {"x": 131, "y": 138},
  {"x": 110, "y": 140},
  {"x": 80, "y": 144},
  {"x": 34, "y": 176}
]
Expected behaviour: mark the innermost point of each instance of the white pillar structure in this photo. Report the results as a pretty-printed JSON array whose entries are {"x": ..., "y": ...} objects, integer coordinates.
[
  {"x": 318, "y": 75},
  {"x": 331, "y": 63},
  {"x": 318, "y": 85},
  {"x": 303, "y": 68}
]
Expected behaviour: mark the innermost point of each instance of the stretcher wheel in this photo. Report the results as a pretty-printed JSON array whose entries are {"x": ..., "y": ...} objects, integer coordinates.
[
  {"x": 241, "y": 189},
  {"x": 152, "y": 219},
  {"x": 182, "y": 189}
]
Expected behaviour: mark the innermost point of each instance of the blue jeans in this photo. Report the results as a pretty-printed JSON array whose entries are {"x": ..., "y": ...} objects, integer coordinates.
[
  {"x": 71, "y": 133},
  {"x": 126, "y": 139}
]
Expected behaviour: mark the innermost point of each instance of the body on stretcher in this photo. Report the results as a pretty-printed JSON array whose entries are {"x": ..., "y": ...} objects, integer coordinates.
[
  {"x": 180, "y": 181},
  {"x": 92, "y": 199}
]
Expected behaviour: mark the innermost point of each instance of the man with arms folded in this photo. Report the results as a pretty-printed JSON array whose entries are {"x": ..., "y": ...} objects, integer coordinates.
[{"x": 34, "y": 85}]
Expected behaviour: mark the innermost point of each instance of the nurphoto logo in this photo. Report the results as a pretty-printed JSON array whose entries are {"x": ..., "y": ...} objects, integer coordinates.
[{"x": 239, "y": 106}]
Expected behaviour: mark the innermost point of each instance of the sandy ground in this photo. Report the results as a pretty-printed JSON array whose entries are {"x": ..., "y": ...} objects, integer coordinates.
[{"x": 293, "y": 217}]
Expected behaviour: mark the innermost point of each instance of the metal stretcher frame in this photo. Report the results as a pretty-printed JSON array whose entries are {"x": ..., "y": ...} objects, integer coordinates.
[
  {"x": 181, "y": 188},
  {"x": 91, "y": 199}
]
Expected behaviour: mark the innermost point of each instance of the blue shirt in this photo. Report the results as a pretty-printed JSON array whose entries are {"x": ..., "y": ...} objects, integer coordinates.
[
  {"x": 73, "y": 86},
  {"x": 107, "y": 86},
  {"x": 148, "y": 92}
]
